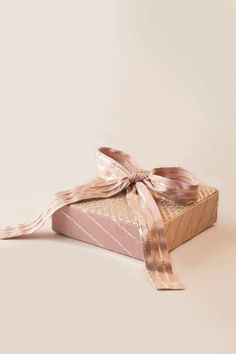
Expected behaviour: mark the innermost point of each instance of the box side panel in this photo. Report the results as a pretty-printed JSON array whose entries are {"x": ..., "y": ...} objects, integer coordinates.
[
  {"x": 192, "y": 222},
  {"x": 98, "y": 230}
]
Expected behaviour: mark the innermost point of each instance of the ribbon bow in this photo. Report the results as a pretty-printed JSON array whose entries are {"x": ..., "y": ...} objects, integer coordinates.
[{"x": 118, "y": 171}]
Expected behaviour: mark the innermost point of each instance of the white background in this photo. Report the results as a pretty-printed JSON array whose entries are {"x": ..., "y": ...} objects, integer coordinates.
[{"x": 158, "y": 80}]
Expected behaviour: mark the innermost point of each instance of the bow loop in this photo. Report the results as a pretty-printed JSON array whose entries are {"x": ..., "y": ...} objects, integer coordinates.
[
  {"x": 174, "y": 183},
  {"x": 114, "y": 164}
]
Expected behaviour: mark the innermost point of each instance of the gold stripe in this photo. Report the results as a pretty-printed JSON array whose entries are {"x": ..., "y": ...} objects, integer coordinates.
[
  {"x": 127, "y": 232},
  {"x": 185, "y": 235},
  {"x": 163, "y": 277},
  {"x": 80, "y": 227},
  {"x": 157, "y": 278},
  {"x": 108, "y": 233},
  {"x": 213, "y": 212},
  {"x": 177, "y": 229},
  {"x": 201, "y": 217}
]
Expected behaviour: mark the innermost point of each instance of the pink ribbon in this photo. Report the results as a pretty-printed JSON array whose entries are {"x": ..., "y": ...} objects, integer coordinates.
[{"x": 118, "y": 171}]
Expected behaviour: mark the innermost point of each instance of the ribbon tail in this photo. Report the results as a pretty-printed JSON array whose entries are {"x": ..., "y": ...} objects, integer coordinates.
[
  {"x": 155, "y": 248},
  {"x": 96, "y": 189}
]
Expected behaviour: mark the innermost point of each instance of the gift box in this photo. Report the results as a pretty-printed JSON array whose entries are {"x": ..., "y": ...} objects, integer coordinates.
[
  {"x": 142, "y": 214},
  {"x": 111, "y": 224}
]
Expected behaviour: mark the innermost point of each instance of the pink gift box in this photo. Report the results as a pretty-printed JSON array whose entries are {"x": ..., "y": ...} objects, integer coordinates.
[{"x": 109, "y": 223}]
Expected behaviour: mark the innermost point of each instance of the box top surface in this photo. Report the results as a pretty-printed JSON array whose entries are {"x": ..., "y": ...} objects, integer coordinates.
[{"x": 117, "y": 207}]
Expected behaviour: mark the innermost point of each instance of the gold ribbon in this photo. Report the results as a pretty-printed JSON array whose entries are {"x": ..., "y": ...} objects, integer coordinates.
[{"x": 118, "y": 171}]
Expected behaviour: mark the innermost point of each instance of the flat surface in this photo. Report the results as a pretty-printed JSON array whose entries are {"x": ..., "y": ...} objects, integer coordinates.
[
  {"x": 57, "y": 292},
  {"x": 156, "y": 79}
]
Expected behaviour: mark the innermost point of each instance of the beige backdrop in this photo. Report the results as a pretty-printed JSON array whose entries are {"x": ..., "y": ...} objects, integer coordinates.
[{"x": 156, "y": 78}]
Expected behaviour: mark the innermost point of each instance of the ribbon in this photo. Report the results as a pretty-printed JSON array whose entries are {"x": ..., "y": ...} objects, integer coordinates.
[{"x": 118, "y": 171}]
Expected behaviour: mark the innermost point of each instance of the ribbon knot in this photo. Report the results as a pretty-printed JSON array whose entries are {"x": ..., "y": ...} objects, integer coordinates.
[
  {"x": 118, "y": 171},
  {"x": 137, "y": 176}
]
